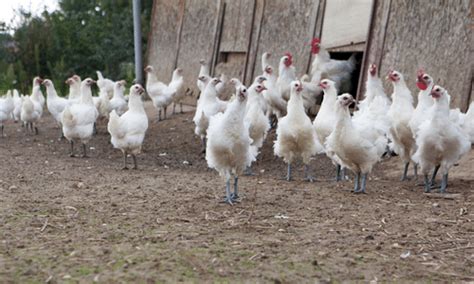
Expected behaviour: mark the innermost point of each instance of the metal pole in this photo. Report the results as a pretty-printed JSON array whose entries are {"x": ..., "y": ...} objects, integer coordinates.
[{"x": 137, "y": 34}]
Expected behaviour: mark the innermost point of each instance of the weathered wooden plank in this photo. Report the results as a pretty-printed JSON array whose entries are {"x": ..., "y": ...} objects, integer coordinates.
[
  {"x": 235, "y": 38},
  {"x": 163, "y": 38},
  {"x": 236, "y": 25},
  {"x": 375, "y": 39},
  {"x": 254, "y": 41},
  {"x": 286, "y": 26},
  {"x": 197, "y": 38},
  {"x": 435, "y": 35}
]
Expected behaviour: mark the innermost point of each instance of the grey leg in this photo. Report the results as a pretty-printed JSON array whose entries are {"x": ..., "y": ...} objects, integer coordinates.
[
  {"x": 135, "y": 167},
  {"x": 174, "y": 108},
  {"x": 415, "y": 171},
  {"x": 433, "y": 177},
  {"x": 288, "y": 172},
  {"x": 94, "y": 131},
  {"x": 181, "y": 107},
  {"x": 203, "y": 144},
  {"x": 2, "y": 131},
  {"x": 36, "y": 129},
  {"x": 235, "y": 195},
  {"x": 405, "y": 171},
  {"x": 307, "y": 175},
  {"x": 124, "y": 161},
  {"x": 363, "y": 183},
  {"x": 164, "y": 112},
  {"x": 159, "y": 114},
  {"x": 356, "y": 183},
  {"x": 71, "y": 154},
  {"x": 338, "y": 173},
  {"x": 228, "y": 198},
  {"x": 84, "y": 150},
  {"x": 427, "y": 184},
  {"x": 444, "y": 183}
]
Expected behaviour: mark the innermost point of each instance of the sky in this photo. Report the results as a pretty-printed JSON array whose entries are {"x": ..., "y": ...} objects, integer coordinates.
[{"x": 8, "y": 7}]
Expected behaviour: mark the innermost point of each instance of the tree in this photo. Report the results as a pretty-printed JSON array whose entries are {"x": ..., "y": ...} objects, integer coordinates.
[{"x": 79, "y": 38}]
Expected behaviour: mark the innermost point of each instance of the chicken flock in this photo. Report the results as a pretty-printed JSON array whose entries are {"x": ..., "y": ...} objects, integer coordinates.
[{"x": 431, "y": 136}]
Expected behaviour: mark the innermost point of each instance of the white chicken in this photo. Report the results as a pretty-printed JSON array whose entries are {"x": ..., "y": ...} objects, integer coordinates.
[
  {"x": 400, "y": 114},
  {"x": 286, "y": 74},
  {"x": 424, "y": 82},
  {"x": 325, "y": 121},
  {"x": 118, "y": 102},
  {"x": 295, "y": 133},
  {"x": 228, "y": 146},
  {"x": 105, "y": 84},
  {"x": 55, "y": 104},
  {"x": 358, "y": 146},
  {"x": 208, "y": 105},
  {"x": 17, "y": 101},
  {"x": 375, "y": 105},
  {"x": 78, "y": 119},
  {"x": 161, "y": 94},
  {"x": 276, "y": 104},
  {"x": 74, "y": 83},
  {"x": 255, "y": 118},
  {"x": 311, "y": 94},
  {"x": 39, "y": 95},
  {"x": 203, "y": 71},
  {"x": 31, "y": 108},
  {"x": 339, "y": 71},
  {"x": 6, "y": 108},
  {"x": 128, "y": 131},
  {"x": 468, "y": 124},
  {"x": 440, "y": 142},
  {"x": 102, "y": 104}
]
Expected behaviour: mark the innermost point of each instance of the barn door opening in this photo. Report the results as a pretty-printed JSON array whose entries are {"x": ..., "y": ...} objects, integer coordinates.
[{"x": 345, "y": 55}]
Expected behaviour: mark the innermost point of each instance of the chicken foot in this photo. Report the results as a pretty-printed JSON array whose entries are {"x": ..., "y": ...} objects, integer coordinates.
[
  {"x": 124, "y": 161},
  {"x": 84, "y": 151},
  {"x": 71, "y": 154},
  {"x": 359, "y": 187}
]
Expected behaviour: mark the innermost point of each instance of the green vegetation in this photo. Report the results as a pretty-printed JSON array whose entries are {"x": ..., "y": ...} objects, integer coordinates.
[{"x": 79, "y": 38}]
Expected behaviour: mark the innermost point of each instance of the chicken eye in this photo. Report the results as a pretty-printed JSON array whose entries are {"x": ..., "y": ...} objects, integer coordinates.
[
  {"x": 244, "y": 90},
  {"x": 425, "y": 77}
]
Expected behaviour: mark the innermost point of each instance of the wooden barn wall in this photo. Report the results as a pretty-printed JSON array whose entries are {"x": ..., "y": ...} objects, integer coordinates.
[
  {"x": 285, "y": 26},
  {"x": 197, "y": 37},
  {"x": 435, "y": 35},
  {"x": 235, "y": 38},
  {"x": 162, "y": 49}
]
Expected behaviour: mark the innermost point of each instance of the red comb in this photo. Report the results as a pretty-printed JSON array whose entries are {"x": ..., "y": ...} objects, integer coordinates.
[{"x": 290, "y": 58}]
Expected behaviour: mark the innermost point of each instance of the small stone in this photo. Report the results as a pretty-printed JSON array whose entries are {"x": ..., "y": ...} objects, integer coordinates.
[
  {"x": 13, "y": 187},
  {"x": 67, "y": 276},
  {"x": 405, "y": 255},
  {"x": 369, "y": 238},
  {"x": 185, "y": 163},
  {"x": 314, "y": 262},
  {"x": 78, "y": 185},
  {"x": 435, "y": 204}
]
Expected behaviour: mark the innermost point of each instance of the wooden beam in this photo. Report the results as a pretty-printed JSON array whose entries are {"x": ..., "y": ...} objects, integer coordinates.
[
  {"x": 247, "y": 55},
  {"x": 182, "y": 4},
  {"x": 217, "y": 36}
]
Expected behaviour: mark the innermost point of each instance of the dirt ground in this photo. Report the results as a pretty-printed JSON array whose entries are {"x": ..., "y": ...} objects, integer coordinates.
[{"x": 74, "y": 220}]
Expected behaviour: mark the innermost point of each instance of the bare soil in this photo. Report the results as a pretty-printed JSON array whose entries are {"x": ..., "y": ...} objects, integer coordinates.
[{"x": 74, "y": 220}]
